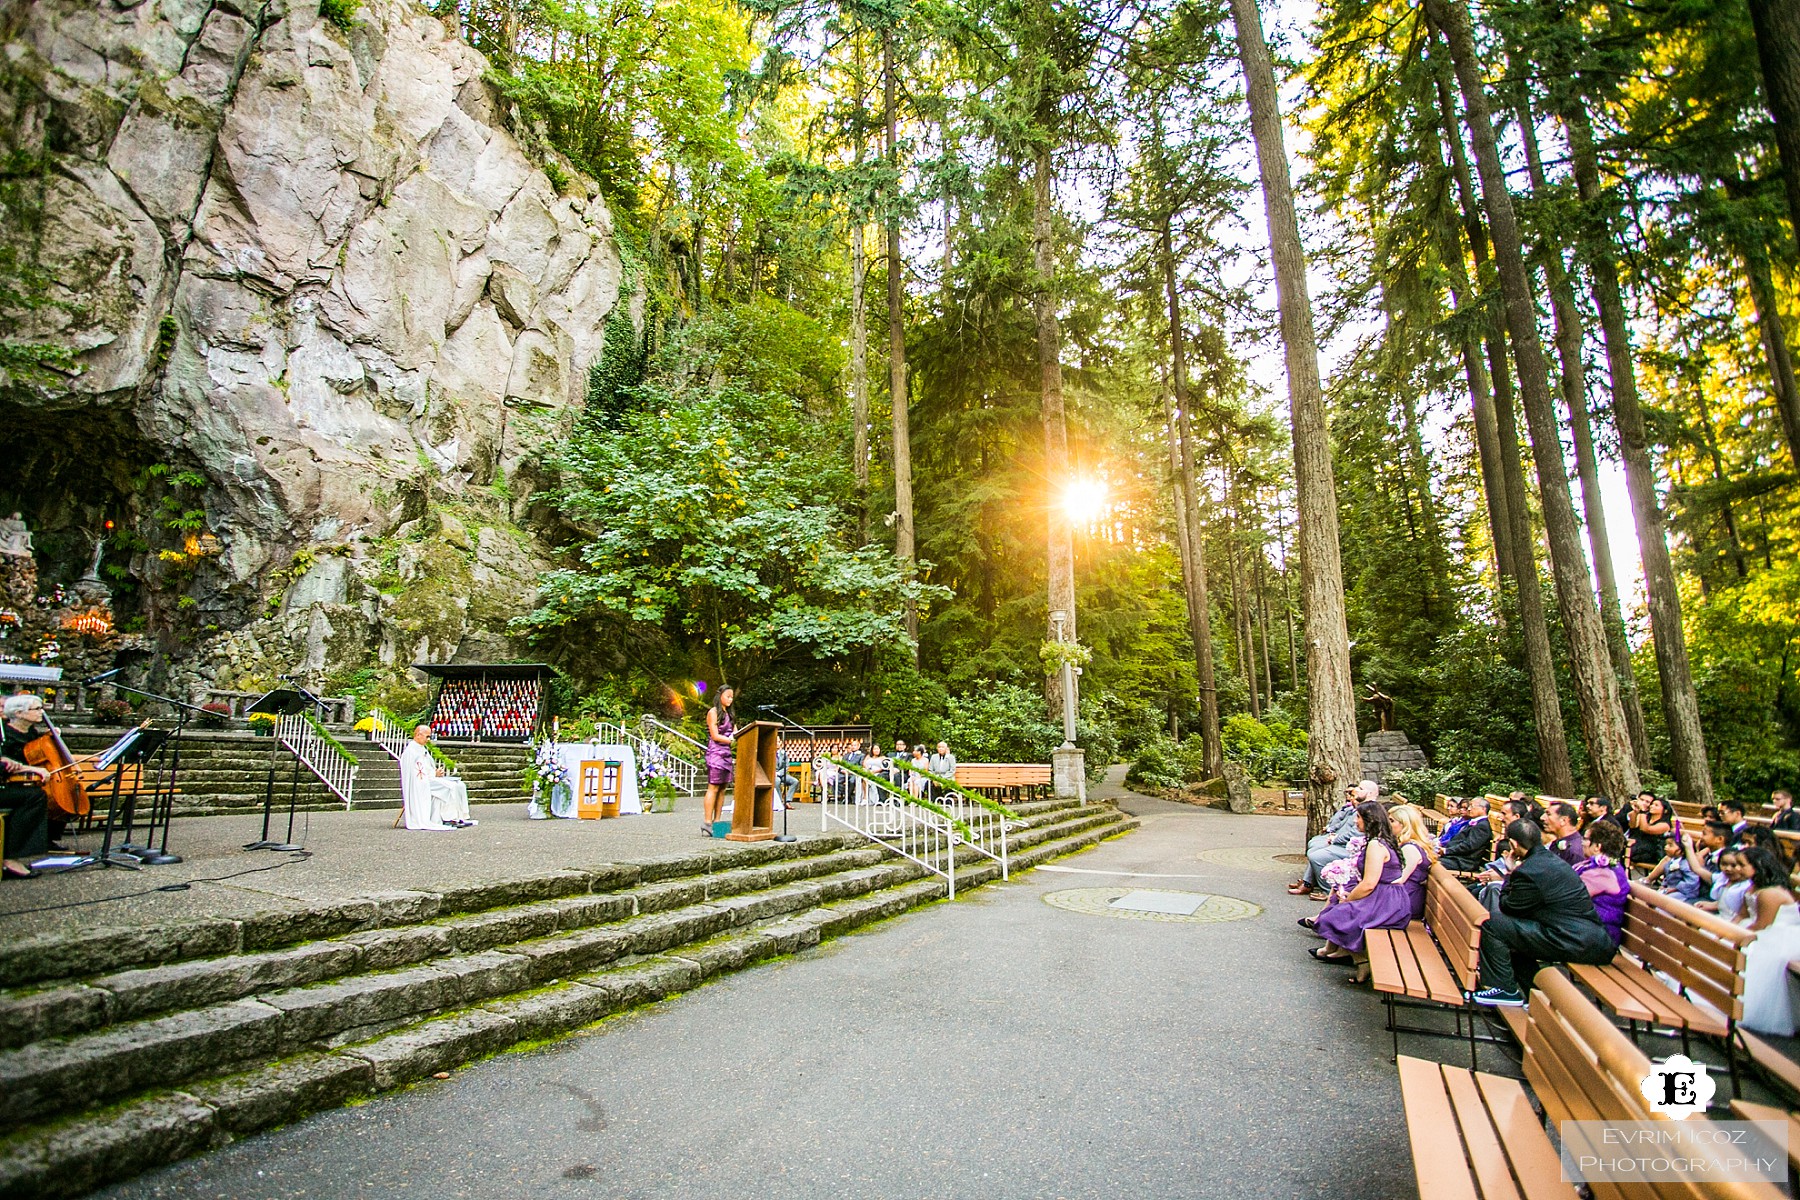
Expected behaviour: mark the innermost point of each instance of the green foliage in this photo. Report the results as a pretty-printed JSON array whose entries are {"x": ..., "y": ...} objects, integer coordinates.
[
  {"x": 1271, "y": 750},
  {"x": 341, "y": 13},
  {"x": 999, "y": 722}
]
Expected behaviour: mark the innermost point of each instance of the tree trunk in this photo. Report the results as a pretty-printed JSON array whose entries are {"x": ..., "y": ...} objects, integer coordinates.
[
  {"x": 1287, "y": 602},
  {"x": 1570, "y": 334},
  {"x": 1596, "y": 688},
  {"x": 1192, "y": 531},
  {"x": 1262, "y": 620},
  {"x": 897, "y": 395},
  {"x": 1334, "y": 757},
  {"x": 1681, "y": 706},
  {"x": 1775, "y": 348},
  {"x": 1554, "y": 774},
  {"x": 859, "y": 324},
  {"x": 1777, "y": 24},
  {"x": 1060, "y": 556}
]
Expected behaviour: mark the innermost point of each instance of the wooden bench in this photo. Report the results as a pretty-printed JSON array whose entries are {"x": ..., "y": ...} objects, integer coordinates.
[
  {"x": 1582, "y": 1068},
  {"x": 1743, "y": 1110},
  {"x": 1431, "y": 963},
  {"x": 1006, "y": 781},
  {"x": 1702, "y": 953},
  {"x": 1475, "y": 1136}
]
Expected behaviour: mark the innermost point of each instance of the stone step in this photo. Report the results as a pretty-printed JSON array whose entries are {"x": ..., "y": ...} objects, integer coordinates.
[{"x": 469, "y": 1013}]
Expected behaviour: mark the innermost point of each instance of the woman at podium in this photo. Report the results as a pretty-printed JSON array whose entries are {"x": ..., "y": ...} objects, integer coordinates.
[{"x": 721, "y": 725}]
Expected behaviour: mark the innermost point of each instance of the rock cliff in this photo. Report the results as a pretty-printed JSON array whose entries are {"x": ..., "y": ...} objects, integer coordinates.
[{"x": 310, "y": 263}]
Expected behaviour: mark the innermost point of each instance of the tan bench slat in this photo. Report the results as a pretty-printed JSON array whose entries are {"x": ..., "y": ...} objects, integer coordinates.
[
  {"x": 1702, "y": 972},
  {"x": 1493, "y": 1171},
  {"x": 1671, "y": 1007},
  {"x": 1613, "y": 994},
  {"x": 1534, "y": 1159},
  {"x": 1515, "y": 1020},
  {"x": 1744, "y": 1110},
  {"x": 1412, "y": 973},
  {"x": 1384, "y": 953},
  {"x": 1772, "y": 1060},
  {"x": 1438, "y": 1161}
]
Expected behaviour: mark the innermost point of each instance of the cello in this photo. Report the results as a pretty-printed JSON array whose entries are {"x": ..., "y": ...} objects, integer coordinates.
[{"x": 64, "y": 792}]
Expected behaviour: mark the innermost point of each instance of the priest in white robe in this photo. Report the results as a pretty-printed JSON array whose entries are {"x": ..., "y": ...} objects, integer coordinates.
[{"x": 431, "y": 799}]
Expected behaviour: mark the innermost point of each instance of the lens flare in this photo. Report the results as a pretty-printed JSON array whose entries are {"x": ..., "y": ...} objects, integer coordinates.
[{"x": 1085, "y": 500}]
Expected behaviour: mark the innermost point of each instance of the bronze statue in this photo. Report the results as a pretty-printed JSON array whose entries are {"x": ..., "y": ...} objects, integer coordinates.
[{"x": 1384, "y": 707}]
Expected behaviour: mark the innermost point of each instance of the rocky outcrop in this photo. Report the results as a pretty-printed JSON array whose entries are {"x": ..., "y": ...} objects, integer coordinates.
[
  {"x": 312, "y": 262},
  {"x": 1388, "y": 752}
]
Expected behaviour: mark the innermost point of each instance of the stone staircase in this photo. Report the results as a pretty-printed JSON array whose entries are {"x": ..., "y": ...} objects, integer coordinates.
[
  {"x": 227, "y": 773},
  {"x": 126, "y": 1049}
]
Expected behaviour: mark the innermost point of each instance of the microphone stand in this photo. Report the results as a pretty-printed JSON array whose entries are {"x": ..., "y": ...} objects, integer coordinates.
[
  {"x": 812, "y": 756},
  {"x": 157, "y": 856},
  {"x": 264, "y": 842}
]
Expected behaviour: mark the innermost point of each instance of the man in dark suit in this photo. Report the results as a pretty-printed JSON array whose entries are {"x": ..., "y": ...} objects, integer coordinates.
[
  {"x": 1468, "y": 843},
  {"x": 1546, "y": 916},
  {"x": 1787, "y": 818}
]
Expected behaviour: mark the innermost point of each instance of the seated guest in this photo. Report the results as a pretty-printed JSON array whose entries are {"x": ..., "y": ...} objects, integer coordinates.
[
  {"x": 1520, "y": 807},
  {"x": 1334, "y": 843},
  {"x": 1703, "y": 857},
  {"x": 1768, "y": 888},
  {"x": 21, "y": 800},
  {"x": 1787, "y": 820},
  {"x": 1559, "y": 823},
  {"x": 1598, "y": 808},
  {"x": 1738, "y": 876},
  {"x": 897, "y": 762},
  {"x": 943, "y": 764},
  {"x": 1672, "y": 876},
  {"x": 1649, "y": 821},
  {"x": 1764, "y": 837},
  {"x": 1381, "y": 899},
  {"x": 1545, "y": 916},
  {"x": 1603, "y": 874},
  {"x": 1469, "y": 848},
  {"x": 1732, "y": 813},
  {"x": 1709, "y": 812},
  {"x": 1410, "y": 830},
  {"x": 429, "y": 796}
]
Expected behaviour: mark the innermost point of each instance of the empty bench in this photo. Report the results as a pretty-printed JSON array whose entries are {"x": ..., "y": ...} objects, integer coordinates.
[{"x": 1006, "y": 781}]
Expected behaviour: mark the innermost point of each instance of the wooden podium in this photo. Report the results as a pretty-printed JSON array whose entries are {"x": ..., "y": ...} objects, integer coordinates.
[{"x": 753, "y": 784}]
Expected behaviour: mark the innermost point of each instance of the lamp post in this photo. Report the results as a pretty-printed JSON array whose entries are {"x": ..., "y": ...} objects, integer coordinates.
[{"x": 1058, "y": 620}]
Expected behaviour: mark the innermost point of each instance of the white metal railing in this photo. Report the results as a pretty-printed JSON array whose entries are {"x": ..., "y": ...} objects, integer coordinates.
[
  {"x": 319, "y": 756},
  {"x": 687, "y": 777},
  {"x": 897, "y": 819},
  {"x": 386, "y": 731},
  {"x": 682, "y": 755}
]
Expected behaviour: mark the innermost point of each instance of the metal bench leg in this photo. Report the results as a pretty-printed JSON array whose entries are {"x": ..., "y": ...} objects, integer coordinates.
[
  {"x": 1731, "y": 1062},
  {"x": 1473, "y": 1066},
  {"x": 1392, "y": 1023}
]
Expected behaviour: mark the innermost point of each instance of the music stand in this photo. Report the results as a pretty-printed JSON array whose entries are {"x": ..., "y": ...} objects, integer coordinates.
[
  {"x": 279, "y": 702},
  {"x": 136, "y": 746}
]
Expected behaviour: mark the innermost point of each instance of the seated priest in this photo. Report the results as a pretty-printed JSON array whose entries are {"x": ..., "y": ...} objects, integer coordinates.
[{"x": 430, "y": 797}]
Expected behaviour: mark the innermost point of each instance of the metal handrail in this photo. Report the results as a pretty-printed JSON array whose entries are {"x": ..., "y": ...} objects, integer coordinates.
[
  {"x": 897, "y": 819},
  {"x": 686, "y": 776},
  {"x": 386, "y": 731},
  {"x": 318, "y": 756},
  {"x": 649, "y": 722}
]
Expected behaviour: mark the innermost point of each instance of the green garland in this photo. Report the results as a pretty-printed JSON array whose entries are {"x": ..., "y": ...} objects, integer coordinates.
[
  {"x": 443, "y": 760},
  {"x": 961, "y": 827},
  {"x": 326, "y": 736}
]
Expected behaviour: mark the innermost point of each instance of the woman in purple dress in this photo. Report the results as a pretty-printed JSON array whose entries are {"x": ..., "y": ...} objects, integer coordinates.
[
  {"x": 721, "y": 755},
  {"x": 1603, "y": 874},
  {"x": 1379, "y": 900}
]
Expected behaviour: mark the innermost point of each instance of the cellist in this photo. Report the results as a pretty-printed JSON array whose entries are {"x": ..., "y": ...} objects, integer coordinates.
[{"x": 25, "y": 805}]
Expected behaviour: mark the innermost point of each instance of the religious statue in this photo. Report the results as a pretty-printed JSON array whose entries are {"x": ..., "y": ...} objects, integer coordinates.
[
  {"x": 15, "y": 537},
  {"x": 1384, "y": 707}
]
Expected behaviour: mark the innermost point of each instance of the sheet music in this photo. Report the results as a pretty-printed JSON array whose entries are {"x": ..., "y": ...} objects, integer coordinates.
[{"x": 113, "y": 753}]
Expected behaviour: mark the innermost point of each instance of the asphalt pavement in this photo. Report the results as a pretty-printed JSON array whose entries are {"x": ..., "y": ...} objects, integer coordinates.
[{"x": 1027, "y": 1040}]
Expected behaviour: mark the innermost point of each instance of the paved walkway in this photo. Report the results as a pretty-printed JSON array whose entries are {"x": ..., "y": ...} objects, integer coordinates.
[
  {"x": 993, "y": 1048},
  {"x": 353, "y": 854}
]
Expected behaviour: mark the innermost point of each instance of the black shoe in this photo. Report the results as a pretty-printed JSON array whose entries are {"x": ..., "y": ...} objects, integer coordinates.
[{"x": 1497, "y": 998}]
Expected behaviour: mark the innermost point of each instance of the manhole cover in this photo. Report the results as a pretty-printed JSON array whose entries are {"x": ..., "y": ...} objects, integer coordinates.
[
  {"x": 1252, "y": 858},
  {"x": 1144, "y": 904}
]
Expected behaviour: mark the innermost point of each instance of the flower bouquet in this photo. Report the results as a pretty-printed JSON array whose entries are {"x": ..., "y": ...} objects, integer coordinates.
[
  {"x": 654, "y": 782},
  {"x": 551, "y": 794},
  {"x": 262, "y": 723}
]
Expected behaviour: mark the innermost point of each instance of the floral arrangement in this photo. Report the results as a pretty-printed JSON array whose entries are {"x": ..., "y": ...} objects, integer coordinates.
[
  {"x": 543, "y": 776},
  {"x": 214, "y": 715},
  {"x": 654, "y": 781},
  {"x": 112, "y": 712}
]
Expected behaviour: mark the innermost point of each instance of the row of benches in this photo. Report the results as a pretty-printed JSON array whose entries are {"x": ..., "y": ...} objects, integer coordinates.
[{"x": 1434, "y": 964}]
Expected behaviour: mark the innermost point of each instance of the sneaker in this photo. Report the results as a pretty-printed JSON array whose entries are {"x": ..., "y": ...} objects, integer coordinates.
[{"x": 1497, "y": 998}]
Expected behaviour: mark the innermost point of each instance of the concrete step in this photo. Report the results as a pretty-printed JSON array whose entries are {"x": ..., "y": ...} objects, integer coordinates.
[{"x": 294, "y": 1012}]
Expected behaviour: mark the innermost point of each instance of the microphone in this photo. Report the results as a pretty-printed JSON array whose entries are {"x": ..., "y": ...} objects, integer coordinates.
[
  {"x": 100, "y": 678},
  {"x": 765, "y": 708}
]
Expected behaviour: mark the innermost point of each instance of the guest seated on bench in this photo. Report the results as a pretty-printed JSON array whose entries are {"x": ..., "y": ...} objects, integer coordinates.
[
  {"x": 1560, "y": 821},
  {"x": 1520, "y": 807},
  {"x": 1334, "y": 843},
  {"x": 1768, "y": 987},
  {"x": 1545, "y": 916},
  {"x": 1736, "y": 877},
  {"x": 1391, "y": 890},
  {"x": 1761, "y": 836},
  {"x": 1672, "y": 876},
  {"x": 1468, "y": 844},
  {"x": 1603, "y": 874},
  {"x": 1651, "y": 820}
]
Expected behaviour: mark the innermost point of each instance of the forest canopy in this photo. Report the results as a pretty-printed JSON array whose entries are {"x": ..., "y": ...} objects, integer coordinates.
[{"x": 902, "y": 273}]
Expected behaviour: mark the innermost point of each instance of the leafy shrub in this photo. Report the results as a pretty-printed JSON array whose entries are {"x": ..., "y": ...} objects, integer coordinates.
[
  {"x": 1272, "y": 750},
  {"x": 214, "y": 715},
  {"x": 341, "y": 13},
  {"x": 1157, "y": 765},
  {"x": 999, "y": 722},
  {"x": 112, "y": 712}
]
